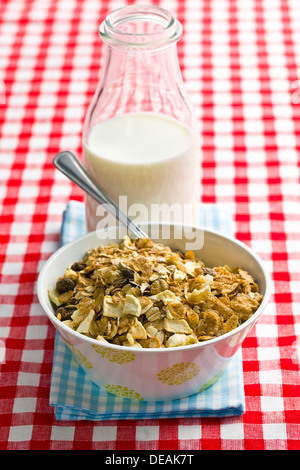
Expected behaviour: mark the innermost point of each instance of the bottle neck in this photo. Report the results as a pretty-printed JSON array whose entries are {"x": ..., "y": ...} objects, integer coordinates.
[
  {"x": 140, "y": 28},
  {"x": 152, "y": 69},
  {"x": 140, "y": 71},
  {"x": 148, "y": 81},
  {"x": 140, "y": 47}
]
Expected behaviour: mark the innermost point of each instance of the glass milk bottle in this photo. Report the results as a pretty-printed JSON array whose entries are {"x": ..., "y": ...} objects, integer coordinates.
[{"x": 141, "y": 136}]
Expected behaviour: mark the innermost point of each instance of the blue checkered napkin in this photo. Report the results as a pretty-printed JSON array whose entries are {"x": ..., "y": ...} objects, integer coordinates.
[{"x": 75, "y": 397}]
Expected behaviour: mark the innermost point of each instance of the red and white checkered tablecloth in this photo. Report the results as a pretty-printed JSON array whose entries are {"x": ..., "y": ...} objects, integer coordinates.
[{"x": 241, "y": 63}]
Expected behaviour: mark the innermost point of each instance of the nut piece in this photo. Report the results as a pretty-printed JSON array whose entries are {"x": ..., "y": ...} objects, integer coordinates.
[
  {"x": 198, "y": 296},
  {"x": 132, "y": 306},
  {"x": 54, "y": 296},
  {"x": 112, "y": 309},
  {"x": 137, "y": 331},
  {"x": 177, "y": 326},
  {"x": 166, "y": 296},
  {"x": 85, "y": 325},
  {"x": 180, "y": 340}
]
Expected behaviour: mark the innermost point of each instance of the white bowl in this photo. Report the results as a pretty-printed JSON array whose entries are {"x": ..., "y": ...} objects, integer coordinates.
[{"x": 156, "y": 374}]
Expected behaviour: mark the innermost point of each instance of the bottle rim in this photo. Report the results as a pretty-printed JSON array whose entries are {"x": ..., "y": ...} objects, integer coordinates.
[{"x": 140, "y": 27}]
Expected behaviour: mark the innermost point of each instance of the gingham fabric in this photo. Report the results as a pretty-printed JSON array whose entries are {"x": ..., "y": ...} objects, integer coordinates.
[
  {"x": 75, "y": 397},
  {"x": 240, "y": 61}
]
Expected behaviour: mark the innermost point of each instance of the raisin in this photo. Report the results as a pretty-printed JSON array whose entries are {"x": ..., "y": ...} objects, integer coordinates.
[
  {"x": 64, "y": 285},
  {"x": 78, "y": 266},
  {"x": 64, "y": 313}
]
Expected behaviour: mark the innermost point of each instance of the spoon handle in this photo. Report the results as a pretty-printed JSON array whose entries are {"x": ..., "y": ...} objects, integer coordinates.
[{"x": 71, "y": 166}]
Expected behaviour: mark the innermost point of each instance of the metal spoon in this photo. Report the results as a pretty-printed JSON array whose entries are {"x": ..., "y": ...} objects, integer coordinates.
[{"x": 70, "y": 166}]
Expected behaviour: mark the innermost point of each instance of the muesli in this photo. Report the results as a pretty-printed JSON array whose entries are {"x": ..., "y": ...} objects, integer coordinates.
[{"x": 144, "y": 295}]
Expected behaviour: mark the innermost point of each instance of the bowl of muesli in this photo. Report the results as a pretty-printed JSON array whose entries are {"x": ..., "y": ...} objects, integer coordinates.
[{"x": 149, "y": 319}]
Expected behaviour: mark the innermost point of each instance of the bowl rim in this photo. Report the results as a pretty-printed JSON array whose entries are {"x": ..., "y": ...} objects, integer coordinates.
[{"x": 92, "y": 341}]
